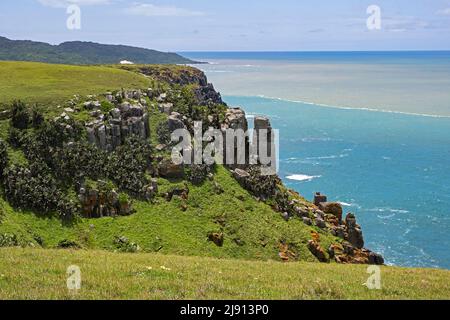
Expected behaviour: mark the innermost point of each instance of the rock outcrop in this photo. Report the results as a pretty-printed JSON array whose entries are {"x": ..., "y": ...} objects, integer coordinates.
[
  {"x": 109, "y": 131},
  {"x": 353, "y": 231},
  {"x": 97, "y": 204},
  {"x": 317, "y": 251}
]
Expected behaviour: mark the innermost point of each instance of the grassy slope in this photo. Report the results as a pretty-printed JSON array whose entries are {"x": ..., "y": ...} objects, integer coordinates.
[
  {"x": 164, "y": 227},
  {"x": 108, "y": 275},
  {"x": 54, "y": 84},
  {"x": 161, "y": 226}
]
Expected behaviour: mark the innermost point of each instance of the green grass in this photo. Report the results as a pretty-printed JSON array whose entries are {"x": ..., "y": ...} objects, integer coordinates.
[
  {"x": 251, "y": 228},
  {"x": 49, "y": 84},
  {"x": 167, "y": 234},
  {"x": 41, "y": 274}
]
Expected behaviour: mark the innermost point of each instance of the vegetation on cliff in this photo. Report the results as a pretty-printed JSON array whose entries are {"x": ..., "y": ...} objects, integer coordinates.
[{"x": 101, "y": 149}]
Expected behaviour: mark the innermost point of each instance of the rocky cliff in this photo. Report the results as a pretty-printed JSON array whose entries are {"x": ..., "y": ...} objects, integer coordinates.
[{"x": 115, "y": 147}]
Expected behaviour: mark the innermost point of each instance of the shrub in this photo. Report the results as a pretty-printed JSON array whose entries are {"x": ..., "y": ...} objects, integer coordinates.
[
  {"x": 78, "y": 160},
  {"x": 20, "y": 116},
  {"x": 3, "y": 157},
  {"x": 261, "y": 185},
  {"x": 106, "y": 107},
  {"x": 163, "y": 132},
  {"x": 197, "y": 173},
  {"x": 123, "y": 198},
  {"x": 128, "y": 164},
  {"x": 124, "y": 245},
  {"x": 36, "y": 117},
  {"x": 35, "y": 188},
  {"x": 8, "y": 240},
  {"x": 15, "y": 137},
  {"x": 68, "y": 244}
]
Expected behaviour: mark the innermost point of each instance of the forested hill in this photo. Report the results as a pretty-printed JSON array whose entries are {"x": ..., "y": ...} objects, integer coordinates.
[{"x": 79, "y": 53}]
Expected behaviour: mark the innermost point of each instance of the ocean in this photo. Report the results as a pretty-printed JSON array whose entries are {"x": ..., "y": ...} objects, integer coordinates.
[{"x": 370, "y": 130}]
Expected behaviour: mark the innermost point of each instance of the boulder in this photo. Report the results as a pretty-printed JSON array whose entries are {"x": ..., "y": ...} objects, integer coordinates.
[
  {"x": 115, "y": 113},
  {"x": 307, "y": 221},
  {"x": 338, "y": 231},
  {"x": 167, "y": 169},
  {"x": 262, "y": 123},
  {"x": 301, "y": 211},
  {"x": 320, "y": 223},
  {"x": 91, "y": 105},
  {"x": 124, "y": 107},
  {"x": 376, "y": 259},
  {"x": 175, "y": 122},
  {"x": 162, "y": 97},
  {"x": 333, "y": 208},
  {"x": 318, "y": 198},
  {"x": 241, "y": 175},
  {"x": 317, "y": 251},
  {"x": 235, "y": 119},
  {"x": 285, "y": 216},
  {"x": 217, "y": 238},
  {"x": 166, "y": 108}
]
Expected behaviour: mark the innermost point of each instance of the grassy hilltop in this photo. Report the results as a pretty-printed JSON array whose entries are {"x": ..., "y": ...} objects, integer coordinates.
[
  {"x": 164, "y": 233},
  {"x": 53, "y": 84}
]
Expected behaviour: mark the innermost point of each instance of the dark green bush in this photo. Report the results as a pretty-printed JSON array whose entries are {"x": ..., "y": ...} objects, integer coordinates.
[
  {"x": 20, "y": 115},
  {"x": 3, "y": 157},
  {"x": 128, "y": 164},
  {"x": 197, "y": 173},
  {"x": 16, "y": 137},
  {"x": 164, "y": 134},
  {"x": 68, "y": 244},
  {"x": 36, "y": 117},
  {"x": 8, "y": 240},
  {"x": 78, "y": 160},
  {"x": 124, "y": 245},
  {"x": 35, "y": 188}
]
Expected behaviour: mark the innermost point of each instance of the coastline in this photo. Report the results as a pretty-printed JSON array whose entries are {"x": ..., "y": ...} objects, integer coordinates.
[
  {"x": 380, "y": 148},
  {"x": 323, "y": 105}
]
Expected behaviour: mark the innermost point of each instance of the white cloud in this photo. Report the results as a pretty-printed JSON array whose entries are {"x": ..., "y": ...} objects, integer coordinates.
[
  {"x": 150, "y": 10},
  {"x": 403, "y": 24},
  {"x": 444, "y": 12},
  {"x": 66, "y": 3}
]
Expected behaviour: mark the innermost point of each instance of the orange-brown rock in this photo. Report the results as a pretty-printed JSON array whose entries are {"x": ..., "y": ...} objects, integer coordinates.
[{"x": 317, "y": 251}]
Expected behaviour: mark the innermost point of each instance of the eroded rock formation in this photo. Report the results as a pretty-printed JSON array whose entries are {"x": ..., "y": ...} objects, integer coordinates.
[{"x": 109, "y": 131}]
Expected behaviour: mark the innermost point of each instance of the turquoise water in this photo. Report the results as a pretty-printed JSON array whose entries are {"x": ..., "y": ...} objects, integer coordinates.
[
  {"x": 409, "y": 82},
  {"x": 390, "y": 168}
]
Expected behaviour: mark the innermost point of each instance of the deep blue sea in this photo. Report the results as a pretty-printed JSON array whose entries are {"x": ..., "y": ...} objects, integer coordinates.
[{"x": 392, "y": 169}]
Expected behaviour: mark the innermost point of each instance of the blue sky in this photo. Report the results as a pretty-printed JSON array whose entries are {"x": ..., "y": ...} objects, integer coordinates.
[{"x": 232, "y": 25}]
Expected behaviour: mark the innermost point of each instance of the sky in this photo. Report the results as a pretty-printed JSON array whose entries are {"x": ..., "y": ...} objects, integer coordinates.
[{"x": 234, "y": 25}]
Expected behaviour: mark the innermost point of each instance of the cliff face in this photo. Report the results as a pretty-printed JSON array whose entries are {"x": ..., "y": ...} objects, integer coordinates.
[
  {"x": 182, "y": 76},
  {"x": 325, "y": 216},
  {"x": 113, "y": 149}
]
